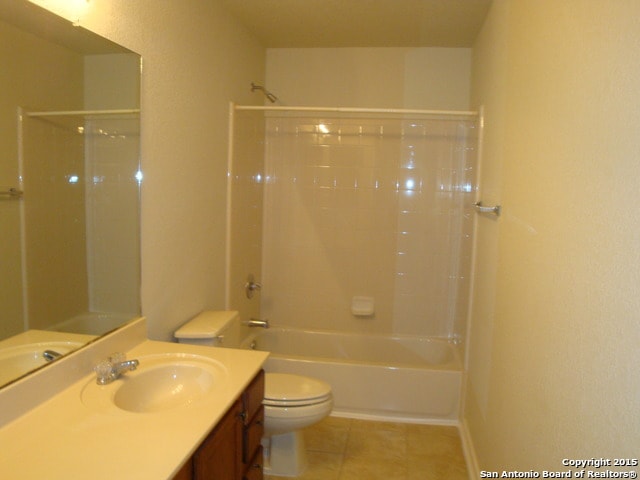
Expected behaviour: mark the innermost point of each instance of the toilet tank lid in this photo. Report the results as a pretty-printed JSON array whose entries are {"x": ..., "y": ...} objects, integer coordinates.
[{"x": 207, "y": 324}]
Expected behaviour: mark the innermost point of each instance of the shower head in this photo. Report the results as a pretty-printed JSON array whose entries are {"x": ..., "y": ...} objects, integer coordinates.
[{"x": 272, "y": 98}]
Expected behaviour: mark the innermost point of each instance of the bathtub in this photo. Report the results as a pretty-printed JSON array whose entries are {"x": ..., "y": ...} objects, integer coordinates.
[{"x": 396, "y": 378}]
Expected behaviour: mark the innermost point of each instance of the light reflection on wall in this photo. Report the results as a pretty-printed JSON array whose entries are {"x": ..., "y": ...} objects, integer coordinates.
[{"x": 72, "y": 10}]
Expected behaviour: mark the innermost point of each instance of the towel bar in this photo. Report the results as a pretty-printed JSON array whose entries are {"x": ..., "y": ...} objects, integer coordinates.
[
  {"x": 495, "y": 210},
  {"x": 11, "y": 192}
]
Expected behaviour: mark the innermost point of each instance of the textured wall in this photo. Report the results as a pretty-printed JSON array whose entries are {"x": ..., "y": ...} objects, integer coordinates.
[{"x": 554, "y": 358}]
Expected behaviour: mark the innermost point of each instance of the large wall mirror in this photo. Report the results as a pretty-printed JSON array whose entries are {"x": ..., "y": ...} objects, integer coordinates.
[{"x": 69, "y": 187}]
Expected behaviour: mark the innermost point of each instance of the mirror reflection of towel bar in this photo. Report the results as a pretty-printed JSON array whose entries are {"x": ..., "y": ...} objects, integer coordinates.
[
  {"x": 11, "y": 192},
  {"x": 495, "y": 210}
]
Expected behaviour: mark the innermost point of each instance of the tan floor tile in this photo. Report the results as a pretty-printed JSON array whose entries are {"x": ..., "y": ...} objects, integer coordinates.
[
  {"x": 438, "y": 469},
  {"x": 374, "y": 444},
  {"x": 345, "y": 449},
  {"x": 373, "y": 469},
  {"x": 328, "y": 436},
  {"x": 433, "y": 440},
  {"x": 322, "y": 466},
  {"x": 366, "y": 425}
]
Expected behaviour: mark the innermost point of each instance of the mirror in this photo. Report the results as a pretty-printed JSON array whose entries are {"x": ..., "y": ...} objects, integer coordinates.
[{"x": 69, "y": 187}]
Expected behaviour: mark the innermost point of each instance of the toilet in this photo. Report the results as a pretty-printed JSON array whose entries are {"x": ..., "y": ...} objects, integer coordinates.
[{"x": 291, "y": 402}]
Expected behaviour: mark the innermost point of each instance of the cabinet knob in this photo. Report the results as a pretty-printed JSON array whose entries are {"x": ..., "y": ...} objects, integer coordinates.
[{"x": 258, "y": 466}]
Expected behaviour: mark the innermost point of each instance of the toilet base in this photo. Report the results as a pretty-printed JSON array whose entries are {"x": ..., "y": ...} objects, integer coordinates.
[{"x": 284, "y": 454}]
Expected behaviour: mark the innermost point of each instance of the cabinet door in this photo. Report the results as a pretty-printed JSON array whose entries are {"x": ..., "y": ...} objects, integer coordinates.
[
  {"x": 186, "y": 472},
  {"x": 253, "y": 396},
  {"x": 254, "y": 470},
  {"x": 252, "y": 435},
  {"x": 218, "y": 457}
]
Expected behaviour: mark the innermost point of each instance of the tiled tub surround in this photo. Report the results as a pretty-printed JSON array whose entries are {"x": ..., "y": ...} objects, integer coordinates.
[{"x": 376, "y": 207}]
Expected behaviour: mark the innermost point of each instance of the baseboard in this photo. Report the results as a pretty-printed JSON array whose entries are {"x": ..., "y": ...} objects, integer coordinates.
[{"x": 469, "y": 451}]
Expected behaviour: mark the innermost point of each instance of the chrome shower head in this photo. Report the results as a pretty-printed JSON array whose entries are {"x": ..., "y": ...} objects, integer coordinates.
[{"x": 272, "y": 98}]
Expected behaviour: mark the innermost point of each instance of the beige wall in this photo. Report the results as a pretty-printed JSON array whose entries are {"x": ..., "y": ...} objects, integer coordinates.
[
  {"x": 554, "y": 352},
  {"x": 428, "y": 78},
  {"x": 195, "y": 60},
  {"x": 111, "y": 81}
]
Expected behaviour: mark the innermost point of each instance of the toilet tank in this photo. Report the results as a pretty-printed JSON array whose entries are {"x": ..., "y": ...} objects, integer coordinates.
[{"x": 210, "y": 328}]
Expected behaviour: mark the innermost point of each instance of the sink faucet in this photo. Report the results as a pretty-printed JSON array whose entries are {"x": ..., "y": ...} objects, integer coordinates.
[
  {"x": 112, "y": 368},
  {"x": 257, "y": 322},
  {"x": 51, "y": 355}
]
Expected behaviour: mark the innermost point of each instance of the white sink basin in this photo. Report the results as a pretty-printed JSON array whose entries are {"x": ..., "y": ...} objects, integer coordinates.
[
  {"x": 17, "y": 360},
  {"x": 160, "y": 383}
]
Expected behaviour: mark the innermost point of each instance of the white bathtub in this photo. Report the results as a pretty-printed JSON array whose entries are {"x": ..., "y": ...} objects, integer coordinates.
[{"x": 401, "y": 378}]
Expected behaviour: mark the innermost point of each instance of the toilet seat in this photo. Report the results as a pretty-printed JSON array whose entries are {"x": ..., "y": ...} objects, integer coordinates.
[{"x": 286, "y": 390}]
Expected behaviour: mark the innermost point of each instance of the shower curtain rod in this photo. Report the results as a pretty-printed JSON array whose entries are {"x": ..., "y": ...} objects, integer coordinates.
[
  {"x": 61, "y": 113},
  {"x": 356, "y": 110}
]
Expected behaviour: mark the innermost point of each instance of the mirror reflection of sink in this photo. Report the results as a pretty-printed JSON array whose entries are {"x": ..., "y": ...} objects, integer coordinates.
[
  {"x": 18, "y": 360},
  {"x": 161, "y": 382}
]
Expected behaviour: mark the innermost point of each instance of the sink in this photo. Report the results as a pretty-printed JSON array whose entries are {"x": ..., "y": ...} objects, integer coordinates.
[
  {"x": 18, "y": 360},
  {"x": 160, "y": 383},
  {"x": 163, "y": 387}
]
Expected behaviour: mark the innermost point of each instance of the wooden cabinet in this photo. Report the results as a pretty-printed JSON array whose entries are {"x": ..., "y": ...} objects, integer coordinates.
[
  {"x": 232, "y": 451},
  {"x": 217, "y": 457},
  {"x": 253, "y": 428}
]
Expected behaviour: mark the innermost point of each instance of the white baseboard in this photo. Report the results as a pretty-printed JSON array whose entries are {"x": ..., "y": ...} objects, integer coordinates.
[{"x": 469, "y": 451}]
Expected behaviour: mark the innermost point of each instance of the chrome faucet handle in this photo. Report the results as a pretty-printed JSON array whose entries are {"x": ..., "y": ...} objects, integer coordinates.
[
  {"x": 104, "y": 372},
  {"x": 117, "y": 357},
  {"x": 113, "y": 367}
]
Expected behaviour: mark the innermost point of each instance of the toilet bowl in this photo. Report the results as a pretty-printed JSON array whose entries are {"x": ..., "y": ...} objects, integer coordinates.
[{"x": 291, "y": 403}]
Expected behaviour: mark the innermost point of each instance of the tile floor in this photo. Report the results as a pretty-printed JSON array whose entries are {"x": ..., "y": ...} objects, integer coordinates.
[{"x": 346, "y": 449}]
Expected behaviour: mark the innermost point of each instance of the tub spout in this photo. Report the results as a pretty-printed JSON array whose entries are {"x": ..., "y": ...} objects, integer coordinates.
[{"x": 257, "y": 322}]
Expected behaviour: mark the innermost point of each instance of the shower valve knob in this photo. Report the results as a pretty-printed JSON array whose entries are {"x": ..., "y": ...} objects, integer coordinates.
[{"x": 251, "y": 286}]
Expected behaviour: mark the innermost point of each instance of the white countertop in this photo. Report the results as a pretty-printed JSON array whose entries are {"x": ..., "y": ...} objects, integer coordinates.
[{"x": 63, "y": 438}]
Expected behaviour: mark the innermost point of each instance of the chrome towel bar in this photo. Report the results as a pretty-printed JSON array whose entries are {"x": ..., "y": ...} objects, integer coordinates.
[
  {"x": 495, "y": 210},
  {"x": 11, "y": 192}
]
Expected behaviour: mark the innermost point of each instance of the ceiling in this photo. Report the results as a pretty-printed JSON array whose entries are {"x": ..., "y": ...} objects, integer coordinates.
[{"x": 361, "y": 23}]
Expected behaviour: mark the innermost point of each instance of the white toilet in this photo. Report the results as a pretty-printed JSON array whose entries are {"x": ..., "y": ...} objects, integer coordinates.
[{"x": 291, "y": 403}]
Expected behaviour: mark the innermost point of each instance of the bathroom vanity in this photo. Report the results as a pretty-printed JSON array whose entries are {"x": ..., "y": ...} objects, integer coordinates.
[
  {"x": 58, "y": 423},
  {"x": 232, "y": 449}
]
